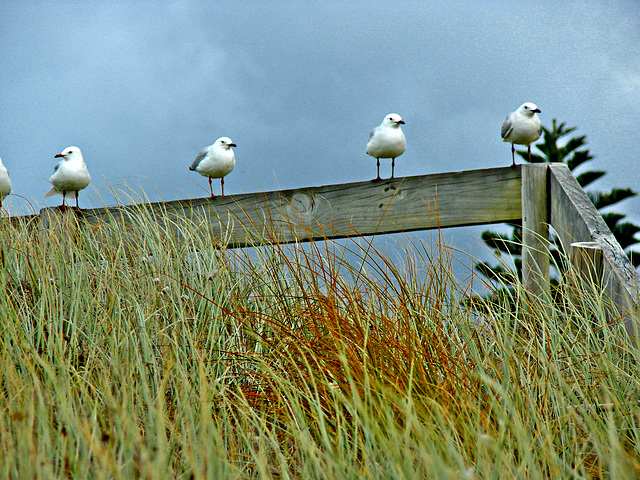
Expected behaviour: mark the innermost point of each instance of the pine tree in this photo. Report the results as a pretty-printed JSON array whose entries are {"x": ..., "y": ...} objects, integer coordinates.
[{"x": 574, "y": 154}]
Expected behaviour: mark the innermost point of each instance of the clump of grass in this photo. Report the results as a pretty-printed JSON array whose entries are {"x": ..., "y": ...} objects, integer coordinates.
[{"x": 130, "y": 351}]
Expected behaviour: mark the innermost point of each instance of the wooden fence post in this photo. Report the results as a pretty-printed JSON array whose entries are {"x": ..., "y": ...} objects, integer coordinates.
[
  {"x": 535, "y": 230},
  {"x": 587, "y": 260},
  {"x": 586, "y": 269},
  {"x": 575, "y": 219}
]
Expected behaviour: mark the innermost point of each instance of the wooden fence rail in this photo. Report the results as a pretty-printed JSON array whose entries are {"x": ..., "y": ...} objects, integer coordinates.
[
  {"x": 337, "y": 211},
  {"x": 541, "y": 195}
]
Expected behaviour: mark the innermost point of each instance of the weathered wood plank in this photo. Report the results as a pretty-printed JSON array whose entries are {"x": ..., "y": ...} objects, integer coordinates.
[
  {"x": 535, "y": 229},
  {"x": 574, "y": 218},
  {"x": 475, "y": 197}
]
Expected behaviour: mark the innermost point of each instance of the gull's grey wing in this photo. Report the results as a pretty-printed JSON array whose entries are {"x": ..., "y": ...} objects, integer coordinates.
[
  {"x": 198, "y": 159},
  {"x": 56, "y": 167},
  {"x": 506, "y": 126},
  {"x": 372, "y": 133}
]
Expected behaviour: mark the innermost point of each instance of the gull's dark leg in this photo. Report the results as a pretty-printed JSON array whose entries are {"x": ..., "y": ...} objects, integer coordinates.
[
  {"x": 222, "y": 185},
  {"x": 529, "y": 150},
  {"x": 513, "y": 155},
  {"x": 63, "y": 196},
  {"x": 393, "y": 166},
  {"x": 211, "y": 187},
  {"x": 77, "y": 206},
  {"x": 378, "y": 166}
]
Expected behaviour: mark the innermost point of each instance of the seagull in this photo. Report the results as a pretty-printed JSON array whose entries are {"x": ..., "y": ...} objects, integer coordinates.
[
  {"x": 70, "y": 175},
  {"x": 5, "y": 183},
  {"x": 387, "y": 141},
  {"x": 522, "y": 127},
  {"x": 215, "y": 161}
]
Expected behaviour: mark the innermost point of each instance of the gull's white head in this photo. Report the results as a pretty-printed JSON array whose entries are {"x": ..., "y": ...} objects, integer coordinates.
[
  {"x": 70, "y": 153},
  {"x": 529, "y": 109},
  {"x": 224, "y": 142},
  {"x": 393, "y": 120}
]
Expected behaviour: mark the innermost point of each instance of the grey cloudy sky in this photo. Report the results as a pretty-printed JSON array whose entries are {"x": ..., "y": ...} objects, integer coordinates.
[{"x": 141, "y": 87}]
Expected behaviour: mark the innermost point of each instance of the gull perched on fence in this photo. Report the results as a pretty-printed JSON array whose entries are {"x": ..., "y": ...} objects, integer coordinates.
[
  {"x": 70, "y": 175},
  {"x": 216, "y": 161},
  {"x": 387, "y": 141},
  {"x": 5, "y": 183},
  {"x": 522, "y": 127}
]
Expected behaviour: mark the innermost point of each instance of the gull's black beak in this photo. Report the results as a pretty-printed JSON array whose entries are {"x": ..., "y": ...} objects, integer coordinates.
[
  {"x": 232, "y": 145},
  {"x": 400, "y": 122},
  {"x": 537, "y": 110}
]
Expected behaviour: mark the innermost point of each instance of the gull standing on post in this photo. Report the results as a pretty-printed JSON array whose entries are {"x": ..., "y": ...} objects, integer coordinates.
[
  {"x": 216, "y": 161},
  {"x": 5, "y": 183},
  {"x": 387, "y": 141},
  {"x": 70, "y": 175},
  {"x": 522, "y": 127}
]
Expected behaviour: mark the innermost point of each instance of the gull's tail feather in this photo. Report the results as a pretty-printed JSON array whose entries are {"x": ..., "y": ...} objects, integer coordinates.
[{"x": 51, "y": 193}]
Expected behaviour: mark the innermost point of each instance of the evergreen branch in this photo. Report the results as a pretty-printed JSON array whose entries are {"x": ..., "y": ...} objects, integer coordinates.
[
  {"x": 589, "y": 177},
  {"x": 503, "y": 243},
  {"x": 625, "y": 234},
  {"x": 601, "y": 199},
  {"x": 574, "y": 144},
  {"x": 535, "y": 158},
  {"x": 579, "y": 157},
  {"x": 497, "y": 273},
  {"x": 611, "y": 219}
]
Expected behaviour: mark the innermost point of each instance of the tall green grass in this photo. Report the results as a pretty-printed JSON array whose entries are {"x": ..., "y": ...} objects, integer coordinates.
[{"x": 130, "y": 352}]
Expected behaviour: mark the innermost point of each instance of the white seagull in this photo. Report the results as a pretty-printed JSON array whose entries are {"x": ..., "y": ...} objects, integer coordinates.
[
  {"x": 215, "y": 161},
  {"x": 70, "y": 175},
  {"x": 387, "y": 141},
  {"x": 522, "y": 127},
  {"x": 5, "y": 183}
]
